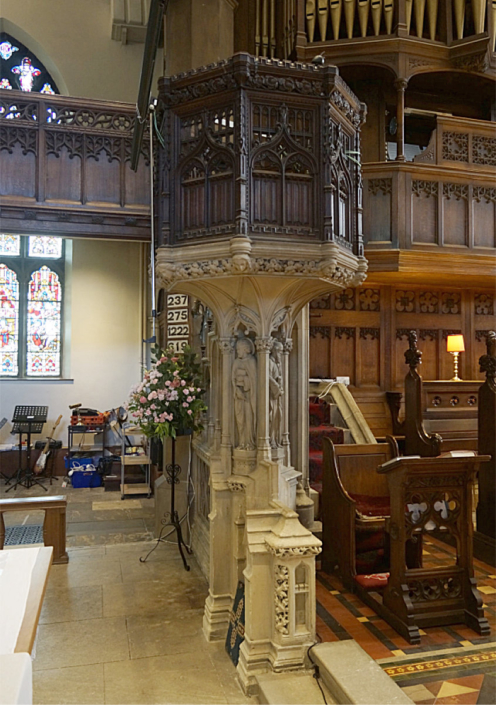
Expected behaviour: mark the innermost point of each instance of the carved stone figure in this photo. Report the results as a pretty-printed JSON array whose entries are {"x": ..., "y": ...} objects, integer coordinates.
[
  {"x": 244, "y": 380},
  {"x": 276, "y": 392}
]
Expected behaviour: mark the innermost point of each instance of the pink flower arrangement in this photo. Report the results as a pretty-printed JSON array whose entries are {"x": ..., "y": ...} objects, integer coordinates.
[{"x": 155, "y": 403}]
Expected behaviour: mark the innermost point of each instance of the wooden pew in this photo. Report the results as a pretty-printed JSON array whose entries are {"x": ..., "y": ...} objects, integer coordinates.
[
  {"x": 54, "y": 525},
  {"x": 486, "y": 524},
  {"x": 355, "y": 503},
  {"x": 437, "y": 493}
]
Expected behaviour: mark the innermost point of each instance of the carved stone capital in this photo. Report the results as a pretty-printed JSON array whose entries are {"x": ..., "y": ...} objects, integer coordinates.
[
  {"x": 226, "y": 345},
  {"x": 401, "y": 84},
  {"x": 264, "y": 344},
  {"x": 293, "y": 551},
  {"x": 287, "y": 345}
]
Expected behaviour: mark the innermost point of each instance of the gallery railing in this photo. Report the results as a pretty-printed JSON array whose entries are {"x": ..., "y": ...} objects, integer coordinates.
[
  {"x": 66, "y": 169},
  {"x": 283, "y": 29},
  {"x": 445, "y": 197}
]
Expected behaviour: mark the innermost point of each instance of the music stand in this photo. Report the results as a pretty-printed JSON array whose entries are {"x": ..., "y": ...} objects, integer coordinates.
[{"x": 27, "y": 420}]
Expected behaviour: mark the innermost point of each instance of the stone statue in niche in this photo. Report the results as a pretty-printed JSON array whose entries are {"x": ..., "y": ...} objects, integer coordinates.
[
  {"x": 276, "y": 392},
  {"x": 244, "y": 380}
]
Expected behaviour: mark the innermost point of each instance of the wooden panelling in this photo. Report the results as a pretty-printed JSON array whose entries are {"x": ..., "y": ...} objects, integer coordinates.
[
  {"x": 65, "y": 168},
  {"x": 349, "y": 337}
]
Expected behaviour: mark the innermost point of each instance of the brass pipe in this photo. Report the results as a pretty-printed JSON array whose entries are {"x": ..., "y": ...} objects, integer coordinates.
[
  {"x": 349, "y": 16},
  {"x": 409, "y": 5},
  {"x": 419, "y": 16},
  {"x": 459, "y": 17},
  {"x": 323, "y": 10},
  {"x": 336, "y": 17},
  {"x": 376, "y": 15},
  {"x": 257, "y": 27},
  {"x": 432, "y": 10},
  {"x": 272, "y": 45},
  {"x": 479, "y": 13},
  {"x": 265, "y": 27},
  {"x": 310, "y": 15},
  {"x": 363, "y": 16},
  {"x": 388, "y": 15}
]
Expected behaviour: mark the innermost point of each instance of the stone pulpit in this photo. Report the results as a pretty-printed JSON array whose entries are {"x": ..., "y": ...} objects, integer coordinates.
[{"x": 260, "y": 210}]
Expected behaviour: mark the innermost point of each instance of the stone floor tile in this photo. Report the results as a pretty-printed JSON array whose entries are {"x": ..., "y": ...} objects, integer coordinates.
[
  {"x": 72, "y": 605},
  {"x": 157, "y": 635},
  {"x": 117, "y": 503},
  {"x": 85, "y": 571},
  {"x": 104, "y": 538},
  {"x": 177, "y": 678},
  {"x": 77, "y": 685},
  {"x": 91, "y": 641},
  {"x": 146, "y": 598}
]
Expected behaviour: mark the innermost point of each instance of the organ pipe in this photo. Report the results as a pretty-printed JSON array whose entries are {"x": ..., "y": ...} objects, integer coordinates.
[
  {"x": 388, "y": 15},
  {"x": 409, "y": 4},
  {"x": 376, "y": 15},
  {"x": 479, "y": 13},
  {"x": 323, "y": 8},
  {"x": 432, "y": 8},
  {"x": 310, "y": 15},
  {"x": 419, "y": 16},
  {"x": 336, "y": 17},
  {"x": 363, "y": 16},
  {"x": 459, "y": 17},
  {"x": 349, "y": 16},
  {"x": 493, "y": 23}
]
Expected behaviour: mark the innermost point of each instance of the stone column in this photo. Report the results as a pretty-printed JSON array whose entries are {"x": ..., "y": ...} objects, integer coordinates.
[
  {"x": 226, "y": 346},
  {"x": 400, "y": 86},
  {"x": 287, "y": 347},
  {"x": 263, "y": 346}
]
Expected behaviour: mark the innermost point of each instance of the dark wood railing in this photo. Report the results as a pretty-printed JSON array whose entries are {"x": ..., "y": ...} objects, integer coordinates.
[
  {"x": 285, "y": 29},
  {"x": 445, "y": 197},
  {"x": 66, "y": 168}
]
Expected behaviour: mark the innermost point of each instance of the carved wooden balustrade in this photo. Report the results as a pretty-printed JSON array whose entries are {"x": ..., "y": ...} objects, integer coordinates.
[
  {"x": 66, "y": 168},
  {"x": 460, "y": 31},
  {"x": 446, "y": 197},
  {"x": 261, "y": 148}
]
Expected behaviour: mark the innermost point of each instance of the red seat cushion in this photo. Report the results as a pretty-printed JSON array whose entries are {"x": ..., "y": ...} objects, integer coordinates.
[
  {"x": 373, "y": 581},
  {"x": 371, "y": 506}
]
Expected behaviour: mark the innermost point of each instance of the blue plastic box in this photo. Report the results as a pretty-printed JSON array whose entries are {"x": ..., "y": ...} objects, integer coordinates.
[{"x": 86, "y": 478}]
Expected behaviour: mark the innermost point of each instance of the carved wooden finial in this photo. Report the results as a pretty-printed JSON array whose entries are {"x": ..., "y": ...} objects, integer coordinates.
[
  {"x": 413, "y": 356},
  {"x": 488, "y": 361}
]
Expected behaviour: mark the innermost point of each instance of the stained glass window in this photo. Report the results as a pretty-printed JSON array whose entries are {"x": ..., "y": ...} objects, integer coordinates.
[
  {"x": 10, "y": 245},
  {"x": 44, "y": 324},
  {"x": 21, "y": 69},
  {"x": 45, "y": 246},
  {"x": 9, "y": 321}
]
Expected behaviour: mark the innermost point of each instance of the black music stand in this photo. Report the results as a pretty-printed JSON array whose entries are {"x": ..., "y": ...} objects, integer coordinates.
[{"x": 27, "y": 420}]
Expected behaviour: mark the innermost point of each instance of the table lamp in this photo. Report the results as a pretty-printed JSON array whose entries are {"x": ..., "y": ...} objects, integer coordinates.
[{"x": 455, "y": 346}]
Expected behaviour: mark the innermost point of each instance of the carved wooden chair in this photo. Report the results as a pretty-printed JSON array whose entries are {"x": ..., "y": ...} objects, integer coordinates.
[{"x": 355, "y": 506}]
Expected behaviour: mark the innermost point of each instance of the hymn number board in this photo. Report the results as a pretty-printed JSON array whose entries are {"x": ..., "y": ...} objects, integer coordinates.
[{"x": 177, "y": 321}]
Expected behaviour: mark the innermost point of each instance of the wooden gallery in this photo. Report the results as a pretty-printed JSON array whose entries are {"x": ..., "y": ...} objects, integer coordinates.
[{"x": 248, "y": 351}]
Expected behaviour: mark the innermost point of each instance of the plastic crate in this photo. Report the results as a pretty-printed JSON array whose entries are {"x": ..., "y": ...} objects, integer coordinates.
[
  {"x": 88, "y": 421},
  {"x": 86, "y": 478},
  {"x": 73, "y": 461}
]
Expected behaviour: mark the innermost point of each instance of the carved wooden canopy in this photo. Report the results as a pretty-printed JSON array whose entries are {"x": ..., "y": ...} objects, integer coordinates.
[{"x": 264, "y": 148}]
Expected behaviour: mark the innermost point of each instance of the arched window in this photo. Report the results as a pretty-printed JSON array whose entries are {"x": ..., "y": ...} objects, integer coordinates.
[
  {"x": 21, "y": 70},
  {"x": 9, "y": 321},
  {"x": 43, "y": 324},
  {"x": 31, "y": 290}
]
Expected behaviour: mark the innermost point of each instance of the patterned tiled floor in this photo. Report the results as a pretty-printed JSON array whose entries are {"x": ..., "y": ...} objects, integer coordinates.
[{"x": 452, "y": 664}]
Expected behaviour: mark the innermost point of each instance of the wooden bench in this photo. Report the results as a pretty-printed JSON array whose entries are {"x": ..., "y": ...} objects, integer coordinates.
[
  {"x": 355, "y": 503},
  {"x": 53, "y": 525},
  {"x": 427, "y": 494}
]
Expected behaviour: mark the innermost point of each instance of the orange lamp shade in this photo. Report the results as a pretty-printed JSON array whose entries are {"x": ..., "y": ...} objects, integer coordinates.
[{"x": 455, "y": 343}]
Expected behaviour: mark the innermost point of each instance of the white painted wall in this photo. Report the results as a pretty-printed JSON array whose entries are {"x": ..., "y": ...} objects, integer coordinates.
[
  {"x": 105, "y": 311},
  {"x": 73, "y": 39}
]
